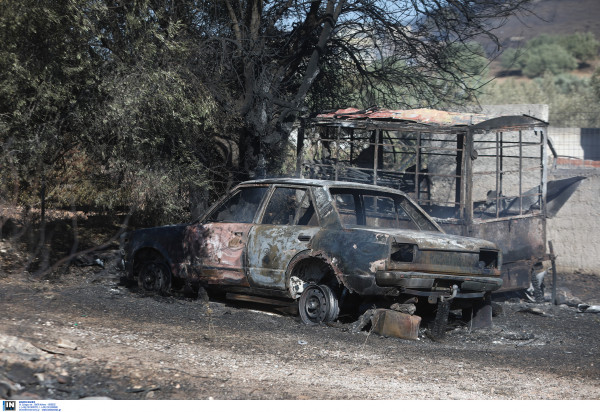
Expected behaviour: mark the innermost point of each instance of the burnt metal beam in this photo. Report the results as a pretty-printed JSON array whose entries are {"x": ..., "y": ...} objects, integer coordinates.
[{"x": 460, "y": 144}]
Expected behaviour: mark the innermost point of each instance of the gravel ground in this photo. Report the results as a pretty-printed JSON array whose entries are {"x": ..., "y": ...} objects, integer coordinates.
[{"x": 84, "y": 335}]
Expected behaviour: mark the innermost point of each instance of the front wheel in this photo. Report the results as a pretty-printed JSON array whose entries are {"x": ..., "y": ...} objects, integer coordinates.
[
  {"x": 155, "y": 277},
  {"x": 318, "y": 304}
]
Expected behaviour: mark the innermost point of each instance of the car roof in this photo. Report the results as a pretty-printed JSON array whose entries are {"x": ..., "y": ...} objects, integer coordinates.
[{"x": 322, "y": 183}]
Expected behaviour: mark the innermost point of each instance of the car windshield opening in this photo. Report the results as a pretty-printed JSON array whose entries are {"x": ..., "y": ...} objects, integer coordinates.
[{"x": 368, "y": 208}]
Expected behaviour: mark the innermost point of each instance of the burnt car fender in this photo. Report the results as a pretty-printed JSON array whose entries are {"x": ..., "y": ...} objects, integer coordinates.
[
  {"x": 310, "y": 266},
  {"x": 136, "y": 251},
  {"x": 356, "y": 255}
]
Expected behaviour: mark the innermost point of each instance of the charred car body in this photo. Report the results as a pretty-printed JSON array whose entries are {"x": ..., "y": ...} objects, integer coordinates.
[{"x": 321, "y": 243}]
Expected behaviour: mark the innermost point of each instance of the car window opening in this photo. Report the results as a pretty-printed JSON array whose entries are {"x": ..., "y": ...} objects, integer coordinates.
[{"x": 379, "y": 210}]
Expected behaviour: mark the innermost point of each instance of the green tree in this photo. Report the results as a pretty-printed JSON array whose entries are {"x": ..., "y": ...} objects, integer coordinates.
[
  {"x": 512, "y": 59},
  {"x": 101, "y": 105},
  {"x": 554, "y": 53},
  {"x": 151, "y": 99},
  {"x": 595, "y": 82},
  {"x": 155, "y": 120},
  {"x": 45, "y": 84},
  {"x": 567, "y": 96},
  {"x": 275, "y": 57},
  {"x": 583, "y": 46},
  {"x": 543, "y": 39},
  {"x": 547, "y": 57}
]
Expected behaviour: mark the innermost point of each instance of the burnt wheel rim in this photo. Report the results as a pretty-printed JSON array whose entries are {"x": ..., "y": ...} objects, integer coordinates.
[
  {"x": 154, "y": 277},
  {"x": 334, "y": 309},
  {"x": 314, "y": 305}
]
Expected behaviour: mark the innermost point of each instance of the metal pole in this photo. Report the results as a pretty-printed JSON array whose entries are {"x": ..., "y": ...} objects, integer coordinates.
[
  {"x": 554, "y": 276},
  {"x": 501, "y": 189},
  {"x": 337, "y": 152},
  {"x": 418, "y": 167},
  {"x": 460, "y": 145},
  {"x": 498, "y": 166},
  {"x": 376, "y": 156},
  {"x": 520, "y": 172},
  {"x": 300, "y": 149},
  {"x": 351, "y": 147},
  {"x": 467, "y": 212}
]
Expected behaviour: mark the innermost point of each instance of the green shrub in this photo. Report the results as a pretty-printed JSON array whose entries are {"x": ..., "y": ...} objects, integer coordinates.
[
  {"x": 548, "y": 57},
  {"x": 567, "y": 83},
  {"x": 512, "y": 59},
  {"x": 543, "y": 39},
  {"x": 571, "y": 100},
  {"x": 583, "y": 46},
  {"x": 553, "y": 53},
  {"x": 595, "y": 82}
]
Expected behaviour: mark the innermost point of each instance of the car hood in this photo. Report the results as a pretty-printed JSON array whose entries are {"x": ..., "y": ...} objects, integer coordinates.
[{"x": 437, "y": 241}]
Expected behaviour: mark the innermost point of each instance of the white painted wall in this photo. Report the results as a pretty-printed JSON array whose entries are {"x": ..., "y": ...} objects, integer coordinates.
[
  {"x": 575, "y": 230},
  {"x": 567, "y": 141}
]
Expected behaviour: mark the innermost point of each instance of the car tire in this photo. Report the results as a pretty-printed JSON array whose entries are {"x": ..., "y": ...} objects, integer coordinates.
[
  {"x": 318, "y": 304},
  {"x": 334, "y": 307},
  {"x": 155, "y": 277}
]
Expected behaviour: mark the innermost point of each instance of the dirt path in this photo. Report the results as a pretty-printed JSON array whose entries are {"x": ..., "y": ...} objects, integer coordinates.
[{"x": 134, "y": 347}]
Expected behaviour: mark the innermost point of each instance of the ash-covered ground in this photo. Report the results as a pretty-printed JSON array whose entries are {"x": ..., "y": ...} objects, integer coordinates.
[{"x": 82, "y": 335}]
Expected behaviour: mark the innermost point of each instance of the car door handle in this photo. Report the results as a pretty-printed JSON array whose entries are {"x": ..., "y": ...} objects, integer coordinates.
[{"x": 304, "y": 238}]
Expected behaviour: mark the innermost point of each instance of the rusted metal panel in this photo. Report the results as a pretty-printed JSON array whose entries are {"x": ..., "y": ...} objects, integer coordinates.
[
  {"x": 517, "y": 275},
  {"x": 216, "y": 251},
  {"x": 522, "y": 241},
  {"x": 519, "y": 239},
  {"x": 422, "y": 116},
  {"x": 432, "y": 117},
  {"x": 271, "y": 248},
  {"x": 395, "y": 324},
  {"x": 152, "y": 239},
  {"x": 357, "y": 256}
]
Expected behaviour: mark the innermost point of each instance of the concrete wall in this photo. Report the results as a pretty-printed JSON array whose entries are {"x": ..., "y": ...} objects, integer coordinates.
[
  {"x": 575, "y": 230},
  {"x": 575, "y": 142}
]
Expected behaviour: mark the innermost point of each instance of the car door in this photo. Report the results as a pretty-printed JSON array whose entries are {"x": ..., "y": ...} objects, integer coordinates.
[
  {"x": 217, "y": 247},
  {"x": 287, "y": 227}
]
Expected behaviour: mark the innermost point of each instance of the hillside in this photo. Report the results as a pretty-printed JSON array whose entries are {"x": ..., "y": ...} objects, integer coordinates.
[{"x": 551, "y": 17}]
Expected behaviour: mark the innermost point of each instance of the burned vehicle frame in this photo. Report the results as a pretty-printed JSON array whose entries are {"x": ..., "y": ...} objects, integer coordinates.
[
  {"x": 323, "y": 245},
  {"x": 475, "y": 174}
]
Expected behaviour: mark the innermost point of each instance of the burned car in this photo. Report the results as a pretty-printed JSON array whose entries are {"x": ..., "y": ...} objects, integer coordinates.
[{"x": 324, "y": 245}]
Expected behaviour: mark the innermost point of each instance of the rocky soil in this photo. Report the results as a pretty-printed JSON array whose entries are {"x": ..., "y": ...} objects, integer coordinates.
[{"x": 84, "y": 335}]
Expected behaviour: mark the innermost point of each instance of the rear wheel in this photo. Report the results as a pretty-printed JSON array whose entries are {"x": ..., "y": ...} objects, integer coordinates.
[
  {"x": 318, "y": 304},
  {"x": 155, "y": 277},
  {"x": 334, "y": 308}
]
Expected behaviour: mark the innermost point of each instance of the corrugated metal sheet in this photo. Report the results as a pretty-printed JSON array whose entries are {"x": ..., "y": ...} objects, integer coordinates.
[{"x": 422, "y": 116}]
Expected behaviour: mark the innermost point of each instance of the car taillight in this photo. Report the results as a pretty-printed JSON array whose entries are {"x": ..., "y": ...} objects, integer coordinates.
[
  {"x": 403, "y": 252},
  {"x": 488, "y": 259}
]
